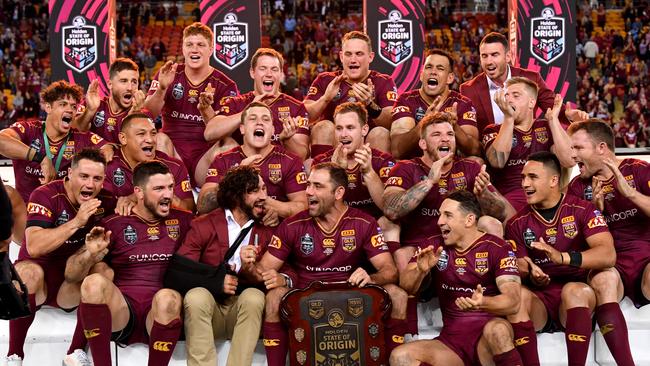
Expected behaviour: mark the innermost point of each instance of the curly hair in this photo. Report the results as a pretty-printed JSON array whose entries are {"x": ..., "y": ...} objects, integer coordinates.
[
  {"x": 61, "y": 89},
  {"x": 235, "y": 184}
]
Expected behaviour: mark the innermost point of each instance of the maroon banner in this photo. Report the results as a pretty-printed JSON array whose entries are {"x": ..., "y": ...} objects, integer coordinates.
[
  {"x": 396, "y": 29},
  {"x": 543, "y": 39},
  {"x": 236, "y": 26},
  {"x": 82, "y": 40}
]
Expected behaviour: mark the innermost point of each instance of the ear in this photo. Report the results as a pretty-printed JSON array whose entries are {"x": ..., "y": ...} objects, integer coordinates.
[
  {"x": 139, "y": 193},
  {"x": 122, "y": 138},
  {"x": 422, "y": 144},
  {"x": 339, "y": 193},
  {"x": 364, "y": 130},
  {"x": 241, "y": 128},
  {"x": 251, "y": 72},
  {"x": 555, "y": 180},
  {"x": 48, "y": 108},
  {"x": 508, "y": 56},
  {"x": 470, "y": 220},
  {"x": 450, "y": 78},
  {"x": 371, "y": 56}
]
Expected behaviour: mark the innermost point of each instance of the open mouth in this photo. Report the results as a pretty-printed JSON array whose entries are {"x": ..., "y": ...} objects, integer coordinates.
[
  {"x": 258, "y": 132},
  {"x": 165, "y": 204},
  {"x": 67, "y": 120},
  {"x": 267, "y": 85},
  {"x": 444, "y": 151},
  {"x": 491, "y": 68},
  {"x": 86, "y": 195},
  {"x": 195, "y": 57},
  {"x": 529, "y": 192},
  {"x": 445, "y": 232},
  {"x": 432, "y": 82},
  {"x": 127, "y": 98},
  {"x": 354, "y": 67},
  {"x": 345, "y": 142},
  {"x": 148, "y": 150},
  {"x": 312, "y": 201}
]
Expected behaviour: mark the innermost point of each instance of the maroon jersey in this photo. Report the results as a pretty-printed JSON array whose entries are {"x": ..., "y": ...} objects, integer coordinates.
[
  {"x": 49, "y": 207},
  {"x": 524, "y": 143},
  {"x": 31, "y": 133},
  {"x": 574, "y": 222},
  {"x": 422, "y": 222},
  {"x": 181, "y": 118},
  {"x": 107, "y": 123},
  {"x": 327, "y": 256},
  {"x": 283, "y": 107},
  {"x": 626, "y": 221},
  {"x": 356, "y": 193},
  {"x": 282, "y": 172},
  {"x": 385, "y": 92},
  {"x": 140, "y": 250},
  {"x": 119, "y": 175},
  {"x": 411, "y": 104},
  {"x": 459, "y": 273}
]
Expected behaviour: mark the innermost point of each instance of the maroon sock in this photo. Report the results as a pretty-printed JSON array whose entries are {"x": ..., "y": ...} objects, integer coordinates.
[
  {"x": 162, "y": 341},
  {"x": 614, "y": 330},
  {"x": 577, "y": 334},
  {"x": 18, "y": 330},
  {"x": 510, "y": 358},
  {"x": 412, "y": 315},
  {"x": 317, "y": 149},
  {"x": 526, "y": 342},
  {"x": 78, "y": 339},
  {"x": 96, "y": 322},
  {"x": 394, "y": 334},
  {"x": 276, "y": 343}
]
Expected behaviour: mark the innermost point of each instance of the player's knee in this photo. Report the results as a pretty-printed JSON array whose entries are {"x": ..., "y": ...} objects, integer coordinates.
[
  {"x": 103, "y": 269},
  {"x": 490, "y": 225},
  {"x": 198, "y": 299},
  {"x": 251, "y": 300},
  {"x": 379, "y": 138},
  {"x": 498, "y": 333},
  {"x": 322, "y": 133},
  {"x": 400, "y": 356},
  {"x": 525, "y": 299},
  {"x": 93, "y": 288},
  {"x": 390, "y": 230},
  {"x": 167, "y": 302},
  {"x": 604, "y": 282},
  {"x": 577, "y": 294},
  {"x": 30, "y": 273}
]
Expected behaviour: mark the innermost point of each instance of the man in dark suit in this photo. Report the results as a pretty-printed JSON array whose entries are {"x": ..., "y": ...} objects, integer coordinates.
[{"x": 495, "y": 61}]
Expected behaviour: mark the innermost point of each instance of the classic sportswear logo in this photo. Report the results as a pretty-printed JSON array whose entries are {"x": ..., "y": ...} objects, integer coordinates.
[
  {"x": 91, "y": 333},
  {"x": 577, "y": 337},
  {"x": 162, "y": 346},
  {"x": 606, "y": 328},
  {"x": 271, "y": 342},
  {"x": 398, "y": 339},
  {"x": 521, "y": 341}
]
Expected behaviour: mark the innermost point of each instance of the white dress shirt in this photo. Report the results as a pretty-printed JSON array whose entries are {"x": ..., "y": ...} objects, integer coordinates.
[
  {"x": 493, "y": 87},
  {"x": 233, "y": 232}
]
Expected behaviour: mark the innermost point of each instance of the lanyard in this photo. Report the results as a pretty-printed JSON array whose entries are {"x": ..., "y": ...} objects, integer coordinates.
[{"x": 59, "y": 156}]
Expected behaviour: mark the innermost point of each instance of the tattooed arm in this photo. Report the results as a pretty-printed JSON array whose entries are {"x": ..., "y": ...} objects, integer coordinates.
[
  {"x": 207, "y": 198},
  {"x": 499, "y": 151},
  {"x": 398, "y": 202},
  {"x": 491, "y": 201}
]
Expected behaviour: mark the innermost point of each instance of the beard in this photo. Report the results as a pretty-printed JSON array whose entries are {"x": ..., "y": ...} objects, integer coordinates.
[{"x": 152, "y": 206}]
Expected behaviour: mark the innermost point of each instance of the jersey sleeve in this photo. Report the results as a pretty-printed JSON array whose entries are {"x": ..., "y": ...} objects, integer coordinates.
[
  {"x": 182, "y": 186},
  {"x": 303, "y": 120},
  {"x": 216, "y": 171},
  {"x": 504, "y": 261},
  {"x": 466, "y": 113},
  {"x": 21, "y": 128},
  {"x": 226, "y": 90},
  {"x": 386, "y": 93},
  {"x": 642, "y": 178},
  {"x": 155, "y": 84},
  {"x": 592, "y": 221},
  {"x": 489, "y": 134},
  {"x": 317, "y": 88},
  {"x": 383, "y": 166},
  {"x": 401, "y": 109},
  {"x": 40, "y": 210},
  {"x": 373, "y": 240},
  {"x": 231, "y": 105},
  {"x": 296, "y": 177},
  {"x": 400, "y": 176},
  {"x": 94, "y": 140},
  {"x": 280, "y": 245}
]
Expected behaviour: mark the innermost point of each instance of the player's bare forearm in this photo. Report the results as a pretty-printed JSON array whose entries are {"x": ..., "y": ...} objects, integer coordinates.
[
  {"x": 508, "y": 301},
  {"x": 11, "y": 147},
  {"x": 403, "y": 143},
  {"x": 399, "y": 204},
  {"x": 297, "y": 146},
  {"x": 186, "y": 204},
  {"x": 561, "y": 144},
  {"x": 499, "y": 152},
  {"x": 42, "y": 241},
  {"x": 410, "y": 279},
  {"x": 78, "y": 265},
  {"x": 385, "y": 118},
  {"x": 601, "y": 253},
  {"x": 467, "y": 143},
  {"x": 154, "y": 103},
  {"x": 82, "y": 123},
  {"x": 315, "y": 108},
  {"x": 207, "y": 200},
  {"x": 290, "y": 208},
  {"x": 385, "y": 276},
  {"x": 495, "y": 205},
  {"x": 375, "y": 188},
  {"x": 220, "y": 126}
]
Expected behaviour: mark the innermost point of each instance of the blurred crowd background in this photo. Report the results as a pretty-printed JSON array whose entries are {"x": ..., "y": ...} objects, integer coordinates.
[{"x": 612, "y": 48}]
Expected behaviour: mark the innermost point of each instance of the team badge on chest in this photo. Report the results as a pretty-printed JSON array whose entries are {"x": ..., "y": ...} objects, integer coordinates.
[
  {"x": 275, "y": 173},
  {"x": 307, "y": 244},
  {"x": 119, "y": 178},
  {"x": 130, "y": 235},
  {"x": 173, "y": 228},
  {"x": 569, "y": 227},
  {"x": 349, "y": 242}
]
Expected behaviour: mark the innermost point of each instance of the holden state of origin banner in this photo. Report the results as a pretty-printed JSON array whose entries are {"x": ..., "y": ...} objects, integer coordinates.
[
  {"x": 396, "y": 29},
  {"x": 236, "y": 26},
  {"x": 82, "y": 40},
  {"x": 543, "y": 38}
]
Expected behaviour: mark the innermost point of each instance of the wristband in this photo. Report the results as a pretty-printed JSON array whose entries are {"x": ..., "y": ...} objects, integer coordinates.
[
  {"x": 373, "y": 112},
  {"x": 576, "y": 259},
  {"x": 288, "y": 280},
  {"x": 38, "y": 156}
]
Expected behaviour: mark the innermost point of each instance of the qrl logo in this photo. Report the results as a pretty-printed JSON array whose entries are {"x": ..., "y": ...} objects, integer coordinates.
[
  {"x": 395, "y": 39},
  {"x": 79, "y": 44},
  {"x": 547, "y": 36},
  {"x": 231, "y": 41}
]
